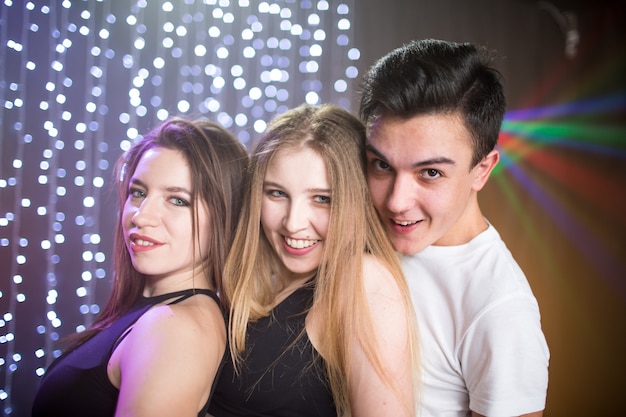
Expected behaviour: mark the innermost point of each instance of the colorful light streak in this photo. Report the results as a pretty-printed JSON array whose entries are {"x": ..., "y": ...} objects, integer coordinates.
[
  {"x": 590, "y": 247},
  {"x": 588, "y": 183},
  {"x": 579, "y": 147},
  {"x": 613, "y": 103}
]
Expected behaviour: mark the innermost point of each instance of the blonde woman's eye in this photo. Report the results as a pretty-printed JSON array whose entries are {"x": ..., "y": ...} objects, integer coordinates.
[
  {"x": 323, "y": 199},
  {"x": 275, "y": 193}
]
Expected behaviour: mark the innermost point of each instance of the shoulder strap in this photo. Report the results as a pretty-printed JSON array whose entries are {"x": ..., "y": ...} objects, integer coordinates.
[
  {"x": 183, "y": 295},
  {"x": 151, "y": 301}
]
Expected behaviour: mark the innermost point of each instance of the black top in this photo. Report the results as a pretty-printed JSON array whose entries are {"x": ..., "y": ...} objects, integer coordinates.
[
  {"x": 77, "y": 384},
  {"x": 283, "y": 374}
]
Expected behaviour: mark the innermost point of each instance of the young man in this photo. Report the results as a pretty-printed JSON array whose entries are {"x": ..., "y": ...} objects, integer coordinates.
[{"x": 433, "y": 111}]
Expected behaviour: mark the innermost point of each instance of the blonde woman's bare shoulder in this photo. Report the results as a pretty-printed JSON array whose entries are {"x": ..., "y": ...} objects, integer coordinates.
[{"x": 377, "y": 278}]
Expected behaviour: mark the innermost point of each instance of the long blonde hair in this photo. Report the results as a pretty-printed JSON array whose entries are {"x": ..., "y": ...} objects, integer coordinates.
[{"x": 354, "y": 230}]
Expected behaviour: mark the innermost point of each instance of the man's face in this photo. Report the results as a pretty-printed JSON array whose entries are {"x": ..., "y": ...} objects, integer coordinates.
[{"x": 418, "y": 172}]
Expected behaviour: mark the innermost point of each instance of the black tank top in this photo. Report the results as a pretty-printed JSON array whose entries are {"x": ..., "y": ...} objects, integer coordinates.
[
  {"x": 76, "y": 384},
  {"x": 283, "y": 375}
]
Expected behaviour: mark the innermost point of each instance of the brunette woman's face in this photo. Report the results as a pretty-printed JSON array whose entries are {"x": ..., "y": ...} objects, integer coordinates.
[
  {"x": 157, "y": 217},
  {"x": 295, "y": 210}
]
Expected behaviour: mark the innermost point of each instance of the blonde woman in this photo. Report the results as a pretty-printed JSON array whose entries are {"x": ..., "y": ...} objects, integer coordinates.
[{"x": 320, "y": 317}]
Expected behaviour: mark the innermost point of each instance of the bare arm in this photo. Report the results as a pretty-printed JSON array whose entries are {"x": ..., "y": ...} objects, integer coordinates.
[
  {"x": 371, "y": 394},
  {"x": 173, "y": 349}
]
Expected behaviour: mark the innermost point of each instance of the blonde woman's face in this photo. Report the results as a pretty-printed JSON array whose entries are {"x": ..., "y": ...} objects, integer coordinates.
[{"x": 295, "y": 210}]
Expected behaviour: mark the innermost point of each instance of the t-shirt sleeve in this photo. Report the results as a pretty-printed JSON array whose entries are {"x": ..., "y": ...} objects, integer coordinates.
[{"x": 505, "y": 358}]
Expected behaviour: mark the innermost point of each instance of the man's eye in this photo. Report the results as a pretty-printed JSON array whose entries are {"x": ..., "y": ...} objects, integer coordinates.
[
  {"x": 380, "y": 165},
  {"x": 431, "y": 173}
]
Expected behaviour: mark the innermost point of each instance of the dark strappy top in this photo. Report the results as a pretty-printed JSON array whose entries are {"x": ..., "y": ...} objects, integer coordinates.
[
  {"x": 77, "y": 383},
  {"x": 283, "y": 375}
]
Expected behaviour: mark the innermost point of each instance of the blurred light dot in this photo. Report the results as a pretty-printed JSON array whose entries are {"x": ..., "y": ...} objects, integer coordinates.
[
  {"x": 183, "y": 106},
  {"x": 222, "y": 52},
  {"x": 86, "y": 276},
  {"x": 340, "y": 86},
  {"x": 139, "y": 43},
  {"x": 313, "y": 20},
  {"x": 158, "y": 63},
  {"x": 241, "y": 119},
  {"x": 260, "y": 126},
  {"x": 132, "y": 133},
  {"x": 89, "y": 201},
  {"x": 162, "y": 114},
  {"x": 312, "y": 98},
  {"x": 315, "y": 50},
  {"x": 200, "y": 50}
]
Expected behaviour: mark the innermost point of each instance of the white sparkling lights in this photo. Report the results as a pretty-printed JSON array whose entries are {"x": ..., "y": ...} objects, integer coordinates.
[{"x": 113, "y": 70}]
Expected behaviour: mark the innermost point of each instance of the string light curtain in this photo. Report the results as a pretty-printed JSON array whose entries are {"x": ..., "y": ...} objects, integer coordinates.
[{"x": 79, "y": 82}]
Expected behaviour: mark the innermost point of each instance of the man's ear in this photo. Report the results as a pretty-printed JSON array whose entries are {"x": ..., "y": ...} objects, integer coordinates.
[{"x": 483, "y": 169}]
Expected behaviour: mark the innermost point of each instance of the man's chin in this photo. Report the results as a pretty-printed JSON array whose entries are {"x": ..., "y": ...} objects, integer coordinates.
[{"x": 406, "y": 246}]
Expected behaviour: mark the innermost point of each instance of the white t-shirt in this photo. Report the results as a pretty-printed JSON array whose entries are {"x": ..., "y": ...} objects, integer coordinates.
[{"x": 482, "y": 344}]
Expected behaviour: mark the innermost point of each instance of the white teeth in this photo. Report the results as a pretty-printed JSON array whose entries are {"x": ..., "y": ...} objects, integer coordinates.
[
  {"x": 300, "y": 244},
  {"x": 404, "y": 223},
  {"x": 141, "y": 242}
]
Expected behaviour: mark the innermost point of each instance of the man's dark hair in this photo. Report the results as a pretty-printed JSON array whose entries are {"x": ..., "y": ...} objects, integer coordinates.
[{"x": 433, "y": 76}]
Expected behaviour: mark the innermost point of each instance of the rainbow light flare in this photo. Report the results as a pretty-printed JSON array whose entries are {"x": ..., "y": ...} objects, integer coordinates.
[{"x": 563, "y": 144}]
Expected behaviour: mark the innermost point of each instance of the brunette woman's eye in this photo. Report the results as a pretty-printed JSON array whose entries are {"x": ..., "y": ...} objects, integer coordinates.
[
  {"x": 179, "y": 202},
  {"x": 136, "y": 193}
]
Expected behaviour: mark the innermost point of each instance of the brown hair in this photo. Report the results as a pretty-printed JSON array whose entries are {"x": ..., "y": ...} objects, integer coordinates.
[{"x": 217, "y": 162}]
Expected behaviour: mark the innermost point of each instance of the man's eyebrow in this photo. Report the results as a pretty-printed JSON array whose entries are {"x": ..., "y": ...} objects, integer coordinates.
[
  {"x": 372, "y": 149},
  {"x": 419, "y": 164}
]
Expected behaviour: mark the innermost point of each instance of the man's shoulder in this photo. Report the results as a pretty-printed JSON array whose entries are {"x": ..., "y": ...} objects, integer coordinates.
[{"x": 484, "y": 267}]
